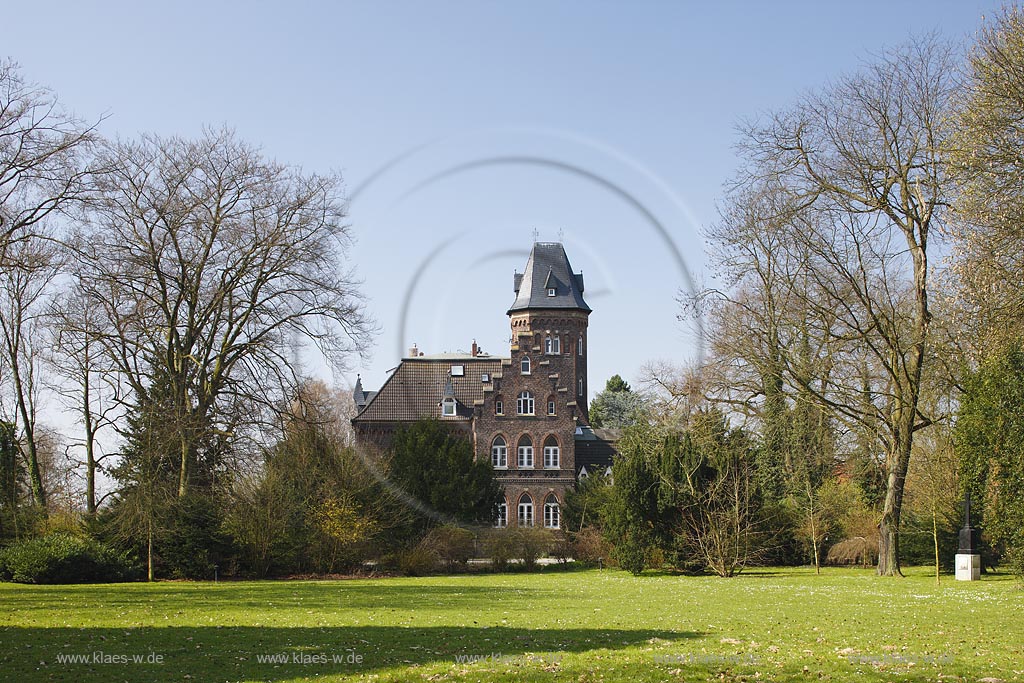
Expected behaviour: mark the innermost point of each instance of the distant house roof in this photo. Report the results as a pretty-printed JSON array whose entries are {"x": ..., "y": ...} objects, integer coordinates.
[
  {"x": 548, "y": 268},
  {"x": 415, "y": 389},
  {"x": 595, "y": 449},
  {"x": 360, "y": 396}
]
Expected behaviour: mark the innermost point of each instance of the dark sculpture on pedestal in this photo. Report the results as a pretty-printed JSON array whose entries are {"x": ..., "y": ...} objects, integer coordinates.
[{"x": 968, "y": 534}]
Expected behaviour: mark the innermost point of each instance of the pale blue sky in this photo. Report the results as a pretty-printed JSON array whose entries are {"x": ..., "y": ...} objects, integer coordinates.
[{"x": 576, "y": 117}]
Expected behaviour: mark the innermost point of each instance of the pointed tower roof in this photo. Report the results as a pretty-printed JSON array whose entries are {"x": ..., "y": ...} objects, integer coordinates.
[{"x": 548, "y": 268}]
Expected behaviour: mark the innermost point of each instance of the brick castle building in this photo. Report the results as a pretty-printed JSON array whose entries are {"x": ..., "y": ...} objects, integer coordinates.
[{"x": 527, "y": 413}]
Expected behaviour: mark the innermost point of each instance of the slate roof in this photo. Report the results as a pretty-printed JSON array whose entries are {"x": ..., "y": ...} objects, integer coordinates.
[
  {"x": 360, "y": 396},
  {"x": 595, "y": 449},
  {"x": 548, "y": 268},
  {"x": 415, "y": 389}
]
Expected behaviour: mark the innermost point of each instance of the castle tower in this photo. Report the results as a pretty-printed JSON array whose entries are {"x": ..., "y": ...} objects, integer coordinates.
[
  {"x": 549, "y": 324},
  {"x": 531, "y": 409}
]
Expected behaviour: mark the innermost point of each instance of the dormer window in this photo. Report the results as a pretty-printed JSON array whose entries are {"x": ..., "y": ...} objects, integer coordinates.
[
  {"x": 551, "y": 291},
  {"x": 448, "y": 407},
  {"x": 524, "y": 365}
]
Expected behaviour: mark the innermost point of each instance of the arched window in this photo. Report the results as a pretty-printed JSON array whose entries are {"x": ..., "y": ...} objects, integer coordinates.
[
  {"x": 551, "y": 405},
  {"x": 525, "y": 510},
  {"x": 552, "y": 456},
  {"x": 524, "y": 404},
  {"x": 524, "y": 365},
  {"x": 499, "y": 406},
  {"x": 502, "y": 520},
  {"x": 552, "y": 513},
  {"x": 580, "y": 350},
  {"x": 547, "y": 345},
  {"x": 556, "y": 345},
  {"x": 525, "y": 453},
  {"x": 499, "y": 453}
]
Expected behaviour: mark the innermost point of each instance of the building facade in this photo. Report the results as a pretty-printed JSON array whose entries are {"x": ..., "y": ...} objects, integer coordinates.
[{"x": 526, "y": 412}]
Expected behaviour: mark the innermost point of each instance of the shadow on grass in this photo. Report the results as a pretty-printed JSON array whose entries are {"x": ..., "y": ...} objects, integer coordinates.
[
  {"x": 213, "y": 653},
  {"x": 169, "y": 597}
]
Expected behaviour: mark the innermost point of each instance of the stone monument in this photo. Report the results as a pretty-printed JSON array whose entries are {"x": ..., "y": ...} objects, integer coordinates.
[{"x": 968, "y": 558}]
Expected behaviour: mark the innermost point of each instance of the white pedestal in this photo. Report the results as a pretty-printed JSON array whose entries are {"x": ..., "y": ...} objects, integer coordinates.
[{"x": 968, "y": 567}]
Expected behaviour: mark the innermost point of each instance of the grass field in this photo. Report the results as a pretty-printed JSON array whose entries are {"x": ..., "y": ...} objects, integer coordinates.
[{"x": 845, "y": 625}]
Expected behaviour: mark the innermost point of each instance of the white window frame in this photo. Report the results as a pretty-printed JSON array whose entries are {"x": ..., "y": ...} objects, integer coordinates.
[
  {"x": 502, "y": 520},
  {"x": 556, "y": 342},
  {"x": 525, "y": 404},
  {"x": 524, "y": 455},
  {"x": 552, "y": 458},
  {"x": 524, "y": 366},
  {"x": 499, "y": 453},
  {"x": 581, "y": 386},
  {"x": 580, "y": 350},
  {"x": 551, "y": 291},
  {"x": 448, "y": 407},
  {"x": 552, "y": 515},
  {"x": 551, "y": 407},
  {"x": 525, "y": 512}
]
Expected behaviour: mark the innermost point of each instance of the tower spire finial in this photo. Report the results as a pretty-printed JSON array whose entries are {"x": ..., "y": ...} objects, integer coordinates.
[
  {"x": 561, "y": 235},
  {"x": 536, "y": 234}
]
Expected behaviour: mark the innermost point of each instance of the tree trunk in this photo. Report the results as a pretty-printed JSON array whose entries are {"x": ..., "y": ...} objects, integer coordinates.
[
  {"x": 90, "y": 479},
  {"x": 889, "y": 526},
  {"x": 149, "y": 553},
  {"x": 935, "y": 538},
  {"x": 183, "y": 470}
]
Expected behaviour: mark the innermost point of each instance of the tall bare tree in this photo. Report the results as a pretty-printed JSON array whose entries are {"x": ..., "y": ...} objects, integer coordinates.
[
  {"x": 43, "y": 172},
  {"x": 207, "y": 262},
  {"x": 86, "y": 380},
  {"x": 24, "y": 290},
  {"x": 861, "y": 168},
  {"x": 41, "y": 157}
]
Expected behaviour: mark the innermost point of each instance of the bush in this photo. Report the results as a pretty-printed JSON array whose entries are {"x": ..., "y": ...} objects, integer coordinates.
[
  {"x": 561, "y": 548},
  {"x": 192, "y": 543},
  {"x": 501, "y": 545},
  {"x": 590, "y": 547},
  {"x": 857, "y": 550},
  {"x": 418, "y": 561},
  {"x": 451, "y": 545},
  {"x": 533, "y": 544},
  {"x": 63, "y": 558},
  {"x": 631, "y": 553}
]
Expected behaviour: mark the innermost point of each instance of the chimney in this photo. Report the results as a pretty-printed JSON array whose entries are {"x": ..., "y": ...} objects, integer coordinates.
[
  {"x": 476, "y": 349},
  {"x": 413, "y": 351}
]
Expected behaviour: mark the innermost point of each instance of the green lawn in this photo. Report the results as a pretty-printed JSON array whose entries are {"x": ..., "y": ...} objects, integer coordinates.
[{"x": 547, "y": 626}]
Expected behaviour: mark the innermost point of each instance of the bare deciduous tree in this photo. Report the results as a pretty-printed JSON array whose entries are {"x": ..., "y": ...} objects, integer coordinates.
[
  {"x": 860, "y": 166},
  {"x": 207, "y": 263},
  {"x": 41, "y": 150},
  {"x": 42, "y": 173},
  {"x": 23, "y": 295},
  {"x": 86, "y": 379}
]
